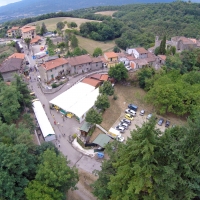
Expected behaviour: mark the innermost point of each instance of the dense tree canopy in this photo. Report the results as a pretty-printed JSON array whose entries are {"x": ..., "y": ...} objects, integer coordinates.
[
  {"x": 93, "y": 117},
  {"x": 153, "y": 165},
  {"x": 107, "y": 88},
  {"x": 118, "y": 72},
  {"x": 102, "y": 102}
]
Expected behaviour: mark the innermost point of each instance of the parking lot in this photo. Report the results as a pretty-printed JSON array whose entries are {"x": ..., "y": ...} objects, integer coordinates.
[{"x": 138, "y": 120}]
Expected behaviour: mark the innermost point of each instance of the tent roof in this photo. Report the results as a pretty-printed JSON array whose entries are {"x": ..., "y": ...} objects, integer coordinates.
[
  {"x": 70, "y": 97},
  {"x": 85, "y": 127},
  {"x": 102, "y": 140},
  {"x": 42, "y": 119},
  {"x": 84, "y": 104}
]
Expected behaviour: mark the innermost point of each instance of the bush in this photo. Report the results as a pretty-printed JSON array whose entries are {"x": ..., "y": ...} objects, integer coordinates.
[
  {"x": 115, "y": 97},
  {"x": 74, "y": 135},
  {"x": 80, "y": 142},
  {"x": 54, "y": 85},
  {"x": 91, "y": 131}
]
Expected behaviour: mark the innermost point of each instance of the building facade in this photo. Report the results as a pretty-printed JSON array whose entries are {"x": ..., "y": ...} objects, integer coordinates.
[
  {"x": 14, "y": 32},
  {"x": 28, "y": 32}
]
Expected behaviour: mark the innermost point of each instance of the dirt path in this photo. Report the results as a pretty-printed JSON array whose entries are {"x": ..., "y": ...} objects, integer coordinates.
[{"x": 84, "y": 188}]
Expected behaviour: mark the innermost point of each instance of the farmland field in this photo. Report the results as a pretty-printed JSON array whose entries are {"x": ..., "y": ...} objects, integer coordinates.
[
  {"x": 108, "y": 13},
  {"x": 51, "y": 23},
  {"x": 90, "y": 45}
]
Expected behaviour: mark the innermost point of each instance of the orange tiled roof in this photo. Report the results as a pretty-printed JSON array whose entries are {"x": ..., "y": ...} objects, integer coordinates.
[
  {"x": 15, "y": 27},
  {"x": 10, "y": 30},
  {"x": 163, "y": 57},
  {"x": 25, "y": 29},
  {"x": 54, "y": 63},
  {"x": 35, "y": 39},
  {"x": 92, "y": 82},
  {"x": 18, "y": 55},
  {"x": 110, "y": 54},
  {"x": 104, "y": 77},
  {"x": 141, "y": 50}
]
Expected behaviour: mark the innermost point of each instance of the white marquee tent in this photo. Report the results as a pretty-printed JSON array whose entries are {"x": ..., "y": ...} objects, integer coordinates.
[
  {"x": 43, "y": 122},
  {"x": 77, "y": 100}
]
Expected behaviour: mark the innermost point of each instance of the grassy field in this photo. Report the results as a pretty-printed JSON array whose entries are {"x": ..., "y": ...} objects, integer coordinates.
[
  {"x": 108, "y": 13},
  {"x": 51, "y": 23},
  {"x": 90, "y": 45},
  {"x": 7, "y": 51}
]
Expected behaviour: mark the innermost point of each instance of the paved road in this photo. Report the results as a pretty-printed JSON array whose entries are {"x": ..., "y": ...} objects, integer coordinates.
[{"x": 68, "y": 126}]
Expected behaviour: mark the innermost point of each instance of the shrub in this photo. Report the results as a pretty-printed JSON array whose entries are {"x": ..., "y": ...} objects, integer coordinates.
[
  {"x": 54, "y": 85},
  {"x": 74, "y": 135},
  {"x": 115, "y": 97}
]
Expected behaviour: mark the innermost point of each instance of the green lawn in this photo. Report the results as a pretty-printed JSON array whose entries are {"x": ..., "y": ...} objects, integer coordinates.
[{"x": 90, "y": 45}]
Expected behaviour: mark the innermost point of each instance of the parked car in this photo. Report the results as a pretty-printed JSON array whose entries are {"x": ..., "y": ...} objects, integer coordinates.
[
  {"x": 132, "y": 107},
  {"x": 126, "y": 121},
  {"x": 120, "y": 129},
  {"x": 132, "y": 112},
  {"x": 167, "y": 123},
  {"x": 120, "y": 139},
  {"x": 129, "y": 117},
  {"x": 124, "y": 125},
  {"x": 128, "y": 68},
  {"x": 160, "y": 121},
  {"x": 149, "y": 116},
  {"x": 142, "y": 112}
]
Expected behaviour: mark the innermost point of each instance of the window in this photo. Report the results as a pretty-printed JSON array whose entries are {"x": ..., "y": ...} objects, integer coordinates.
[
  {"x": 96, "y": 64},
  {"x": 55, "y": 68},
  {"x": 51, "y": 70},
  {"x": 62, "y": 66}
]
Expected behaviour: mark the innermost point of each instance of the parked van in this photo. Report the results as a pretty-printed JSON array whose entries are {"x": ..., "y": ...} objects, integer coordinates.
[{"x": 132, "y": 107}]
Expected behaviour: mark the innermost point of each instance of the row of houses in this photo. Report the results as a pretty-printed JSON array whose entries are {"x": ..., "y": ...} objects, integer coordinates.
[{"x": 135, "y": 58}]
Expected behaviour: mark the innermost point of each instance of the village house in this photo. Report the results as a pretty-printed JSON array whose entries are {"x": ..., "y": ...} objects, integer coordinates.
[
  {"x": 28, "y": 32},
  {"x": 10, "y": 67},
  {"x": 14, "y": 32},
  {"x": 111, "y": 59},
  {"x": 84, "y": 63},
  {"x": 53, "y": 68}
]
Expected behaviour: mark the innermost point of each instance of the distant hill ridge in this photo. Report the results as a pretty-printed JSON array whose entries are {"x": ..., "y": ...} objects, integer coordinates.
[{"x": 27, "y": 8}]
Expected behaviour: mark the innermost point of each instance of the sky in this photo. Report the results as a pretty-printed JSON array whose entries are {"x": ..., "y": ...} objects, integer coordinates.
[{"x": 5, "y": 2}]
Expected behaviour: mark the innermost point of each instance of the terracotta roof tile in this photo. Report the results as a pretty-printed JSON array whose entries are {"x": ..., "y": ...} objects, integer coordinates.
[
  {"x": 97, "y": 59},
  {"x": 35, "y": 39},
  {"x": 110, "y": 54},
  {"x": 79, "y": 60},
  {"x": 104, "y": 77},
  {"x": 54, "y": 63},
  {"x": 163, "y": 57},
  {"x": 18, "y": 55},
  {"x": 141, "y": 50},
  {"x": 25, "y": 29},
  {"x": 96, "y": 76},
  {"x": 91, "y": 82}
]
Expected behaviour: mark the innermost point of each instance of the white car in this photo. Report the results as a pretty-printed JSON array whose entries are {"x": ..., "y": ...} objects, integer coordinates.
[
  {"x": 128, "y": 68},
  {"x": 149, "y": 116},
  {"x": 120, "y": 138},
  {"x": 132, "y": 112},
  {"x": 124, "y": 125},
  {"x": 121, "y": 129}
]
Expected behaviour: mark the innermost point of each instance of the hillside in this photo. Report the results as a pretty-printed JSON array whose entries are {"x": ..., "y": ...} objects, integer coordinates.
[
  {"x": 27, "y": 8},
  {"x": 140, "y": 23}
]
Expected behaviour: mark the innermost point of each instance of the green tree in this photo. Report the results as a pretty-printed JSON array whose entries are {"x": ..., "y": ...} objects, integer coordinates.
[
  {"x": 39, "y": 191},
  {"x": 16, "y": 167},
  {"x": 116, "y": 49},
  {"x": 27, "y": 41},
  {"x": 77, "y": 51},
  {"x": 74, "y": 41},
  {"x": 10, "y": 107},
  {"x": 97, "y": 52},
  {"x": 25, "y": 97},
  {"x": 60, "y": 25},
  {"x": 143, "y": 74},
  {"x": 43, "y": 29},
  {"x": 54, "y": 175},
  {"x": 73, "y": 24},
  {"x": 93, "y": 117},
  {"x": 102, "y": 102},
  {"x": 162, "y": 49},
  {"x": 118, "y": 72},
  {"x": 29, "y": 123},
  {"x": 107, "y": 88}
]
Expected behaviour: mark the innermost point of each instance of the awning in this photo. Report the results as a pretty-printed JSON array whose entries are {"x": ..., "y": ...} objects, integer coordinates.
[
  {"x": 85, "y": 127},
  {"x": 102, "y": 140}
]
